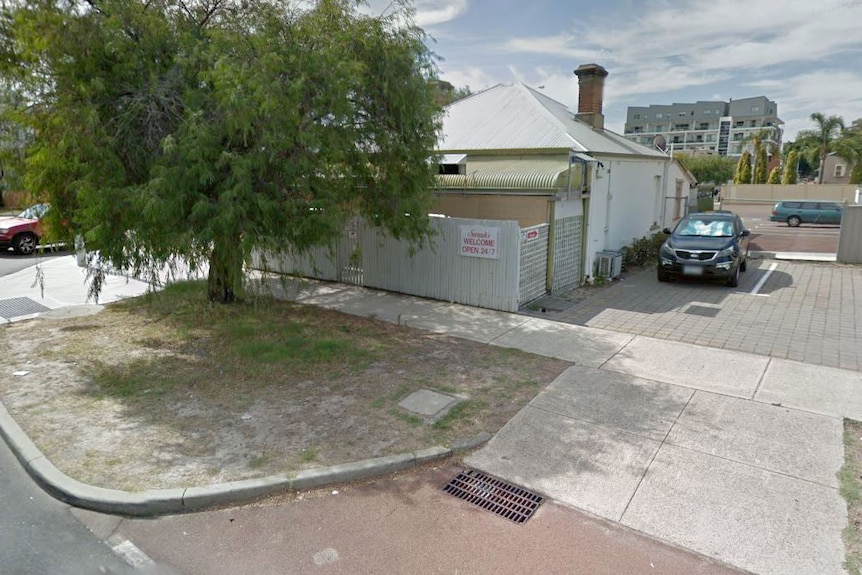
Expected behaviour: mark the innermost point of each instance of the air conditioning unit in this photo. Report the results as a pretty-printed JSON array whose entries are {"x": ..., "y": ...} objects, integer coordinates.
[{"x": 609, "y": 264}]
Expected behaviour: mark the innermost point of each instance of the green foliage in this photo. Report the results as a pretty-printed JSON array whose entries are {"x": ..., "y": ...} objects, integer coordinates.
[
  {"x": 821, "y": 137},
  {"x": 711, "y": 168},
  {"x": 204, "y": 131},
  {"x": 643, "y": 251},
  {"x": 774, "y": 176},
  {"x": 849, "y": 147},
  {"x": 760, "y": 174},
  {"x": 743, "y": 169},
  {"x": 790, "y": 166}
]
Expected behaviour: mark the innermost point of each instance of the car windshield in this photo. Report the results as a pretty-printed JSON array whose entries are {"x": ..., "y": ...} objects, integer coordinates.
[
  {"x": 34, "y": 212},
  {"x": 705, "y": 228}
]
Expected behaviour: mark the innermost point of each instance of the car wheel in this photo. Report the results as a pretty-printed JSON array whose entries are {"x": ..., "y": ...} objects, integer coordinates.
[
  {"x": 794, "y": 221},
  {"x": 733, "y": 280},
  {"x": 25, "y": 244},
  {"x": 663, "y": 276}
]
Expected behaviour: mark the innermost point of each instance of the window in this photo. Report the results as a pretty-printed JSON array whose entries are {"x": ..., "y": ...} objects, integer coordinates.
[
  {"x": 839, "y": 170},
  {"x": 659, "y": 116},
  {"x": 718, "y": 112},
  {"x": 809, "y": 205},
  {"x": 637, "y": 116},
  {"x": 755, "y": 109},
  {"x": 682, "y": 114},
  {"x": 707, "y": 112},
  {"x": 659, "y": 128},
  {"x": 740, "y": 124},
  {"x": 704, "y": 125},
  {"x": 793, "y": 205}
]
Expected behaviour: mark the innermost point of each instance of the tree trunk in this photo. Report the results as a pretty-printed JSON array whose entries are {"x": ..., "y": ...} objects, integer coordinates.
[{"x": 224, "y": 282}]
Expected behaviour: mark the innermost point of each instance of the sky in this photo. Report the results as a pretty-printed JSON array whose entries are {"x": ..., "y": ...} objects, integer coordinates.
[{"x": 805, "y": 55}]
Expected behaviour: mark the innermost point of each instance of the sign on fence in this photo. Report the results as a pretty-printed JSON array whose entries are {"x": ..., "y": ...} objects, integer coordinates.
[{"x": 479, "y": 242}]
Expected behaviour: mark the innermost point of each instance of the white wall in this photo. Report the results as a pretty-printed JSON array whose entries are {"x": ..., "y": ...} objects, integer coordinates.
[{"x": 627, "y": 198}]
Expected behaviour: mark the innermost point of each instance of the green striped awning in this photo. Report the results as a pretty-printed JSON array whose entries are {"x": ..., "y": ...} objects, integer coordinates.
[{"x": 511, "y": 174}]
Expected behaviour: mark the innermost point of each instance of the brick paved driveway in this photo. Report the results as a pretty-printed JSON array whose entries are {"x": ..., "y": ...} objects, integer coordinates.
[{"x": 804, "y": 311}]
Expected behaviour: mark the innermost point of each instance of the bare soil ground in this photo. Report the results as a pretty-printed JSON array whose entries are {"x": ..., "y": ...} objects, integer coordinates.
[
  {"x": 168, "y": 391},
  {"x": 851, "y": 490}
]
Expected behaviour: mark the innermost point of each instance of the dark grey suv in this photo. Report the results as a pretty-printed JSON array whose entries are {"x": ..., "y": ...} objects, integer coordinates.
[{"x": 708, "y": 245}]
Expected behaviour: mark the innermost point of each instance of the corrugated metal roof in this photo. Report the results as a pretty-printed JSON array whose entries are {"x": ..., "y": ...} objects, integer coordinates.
[
  {"x": 516, "y": 117},
  {"x": 509, "y": 174}
]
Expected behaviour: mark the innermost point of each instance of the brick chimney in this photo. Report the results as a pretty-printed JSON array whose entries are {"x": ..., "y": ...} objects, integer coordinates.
[{"x": 591, "y": 85}]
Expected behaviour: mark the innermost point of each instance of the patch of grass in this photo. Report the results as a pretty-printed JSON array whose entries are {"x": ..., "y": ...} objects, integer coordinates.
[
  {"x": 121, "y": 381},
  {"x": 464, "y": 410},
  {"x": 850, "y": 479},
  {"x": 258, "y": 461},
  {"x": 408, "y": 418},
  {"x": 308, "y": 455}
]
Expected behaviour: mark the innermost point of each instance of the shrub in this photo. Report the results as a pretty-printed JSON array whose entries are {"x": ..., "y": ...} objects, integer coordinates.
[{"x": 642, "y": 251}]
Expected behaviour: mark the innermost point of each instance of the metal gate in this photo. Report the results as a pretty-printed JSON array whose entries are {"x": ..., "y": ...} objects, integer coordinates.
[{"x": 348, "y": 253}]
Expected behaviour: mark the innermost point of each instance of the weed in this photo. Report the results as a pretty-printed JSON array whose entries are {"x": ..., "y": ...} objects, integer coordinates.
[
  {"x": 464, "y": 410},
  {"x": 308, "y": 454},
  {"x": 258, "y": 461},
  {"x": 409, "y": 418}
]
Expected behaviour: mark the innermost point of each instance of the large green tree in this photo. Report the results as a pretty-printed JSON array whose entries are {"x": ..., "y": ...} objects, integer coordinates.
[
  {"x": 203, "y": 131},
  {"x": 760, "y": 167},
  {"x": 849, "y": 147},
  {"x": 822, "y": 136},
  {"x": 788, "y": 176},
  {"x": 710, "y": 168},
  {"x": 743, "y": 169}
]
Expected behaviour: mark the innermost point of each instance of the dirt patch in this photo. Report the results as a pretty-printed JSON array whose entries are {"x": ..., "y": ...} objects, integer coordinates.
[
  {"x": 851, "y": 489},
  {"x": 166, "y": 392}
]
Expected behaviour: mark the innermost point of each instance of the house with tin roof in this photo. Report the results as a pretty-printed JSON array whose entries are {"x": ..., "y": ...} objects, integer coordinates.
[{"x": 512, "y": 153}]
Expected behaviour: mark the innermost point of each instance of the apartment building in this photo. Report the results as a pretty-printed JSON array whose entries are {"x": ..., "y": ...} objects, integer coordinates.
[{"x": 723, "y": 128}]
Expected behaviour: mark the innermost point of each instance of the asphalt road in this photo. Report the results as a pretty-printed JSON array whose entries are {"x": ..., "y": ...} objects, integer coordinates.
[
  {"x": 40, "y": 536},
  {"x": 11, "y": 262},
  {"x": 779, "y": 237}
]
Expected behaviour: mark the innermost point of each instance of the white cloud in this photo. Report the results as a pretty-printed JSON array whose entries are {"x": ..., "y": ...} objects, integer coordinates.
[
  {"x": 694, "y": 38},
  {"x": 800, "y": 95},
  {"x": 426, "y": 12},
  {"x": 430, "y": 12},
  {"x": 474, "y": 77}
]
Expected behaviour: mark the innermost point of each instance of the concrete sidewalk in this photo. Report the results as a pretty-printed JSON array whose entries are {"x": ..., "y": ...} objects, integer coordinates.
[{"x": 730, "y": 454}]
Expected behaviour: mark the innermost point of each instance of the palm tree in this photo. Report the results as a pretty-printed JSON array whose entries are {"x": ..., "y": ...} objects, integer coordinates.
[
  {"x": 824, "y": 134},
  {"x": 849, "y": 147}
]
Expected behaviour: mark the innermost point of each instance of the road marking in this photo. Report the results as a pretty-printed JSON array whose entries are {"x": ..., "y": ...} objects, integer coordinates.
[
  {"x": 130, "y": 553},
  {"x": 765, "y": 277}
]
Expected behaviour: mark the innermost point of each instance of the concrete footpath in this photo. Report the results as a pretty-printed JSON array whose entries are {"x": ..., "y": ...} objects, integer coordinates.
[{"x": 729, "y": 454}]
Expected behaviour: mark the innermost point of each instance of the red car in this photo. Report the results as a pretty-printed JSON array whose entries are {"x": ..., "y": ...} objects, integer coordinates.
[{"x": 22, "y": 232}]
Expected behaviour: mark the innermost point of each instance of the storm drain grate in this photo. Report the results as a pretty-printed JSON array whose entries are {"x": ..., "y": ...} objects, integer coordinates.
[
  {"x": 513, "y": 503},
  {"x": 18, "y": 306}
]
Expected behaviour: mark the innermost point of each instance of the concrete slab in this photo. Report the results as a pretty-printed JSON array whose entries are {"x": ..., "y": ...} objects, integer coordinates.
[
  {"x": 709, "y": 369},
  {"x": 754, "y": 519},
  {"x": 580, "y": 345},
  {"x": 574, "y": 462},
  {"x": 476, "y": 324},
  {"x": 820, "y": 389},
  {"x": 796, "y": 443},
  {"x": 615, "y": 400},
  {"x": 430, "y": 404}
]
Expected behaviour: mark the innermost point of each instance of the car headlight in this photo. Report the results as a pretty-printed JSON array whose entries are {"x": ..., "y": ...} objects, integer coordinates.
[{"x": 727, "y": 252}]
